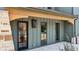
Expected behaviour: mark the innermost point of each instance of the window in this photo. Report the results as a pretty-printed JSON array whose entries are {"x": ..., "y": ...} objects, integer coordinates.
[
  {"x": 57, "y": 32},
  {"x": 49, "y": 7},
  {"x": 43, "y": 27},
  {"x": 43, "y": 33}
]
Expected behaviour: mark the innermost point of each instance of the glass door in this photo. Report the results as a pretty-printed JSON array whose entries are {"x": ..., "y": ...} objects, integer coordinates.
[
  {"x": 22, "y": 35},
  {"x": 43, "y": 33}
]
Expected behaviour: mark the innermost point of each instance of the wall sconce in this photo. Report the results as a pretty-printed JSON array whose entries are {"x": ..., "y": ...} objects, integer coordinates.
[{"x": 34, "y": 23}]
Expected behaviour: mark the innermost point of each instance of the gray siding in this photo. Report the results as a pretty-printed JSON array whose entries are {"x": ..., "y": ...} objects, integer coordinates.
[
  {"x": 67, "y": 10},
  {"x": 2, "y": 8},
  {"x": 77, "y": 27},
  {"x": 46, "y": 8},
  {"x": 14, "y": 33},
  {"x": 68, "y": 29},
  {"x": 76, "y": 12},
  {"x": 34, "y": 33}
]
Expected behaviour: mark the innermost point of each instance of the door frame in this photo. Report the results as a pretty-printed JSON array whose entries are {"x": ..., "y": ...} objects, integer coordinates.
[{"x": 18, "y": 35}]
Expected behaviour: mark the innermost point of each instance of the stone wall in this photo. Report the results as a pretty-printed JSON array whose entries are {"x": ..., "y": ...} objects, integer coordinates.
[{"x": 6, "y": 41}]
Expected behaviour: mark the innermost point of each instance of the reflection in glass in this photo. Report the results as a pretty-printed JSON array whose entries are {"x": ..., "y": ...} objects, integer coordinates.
[
  {"x": 43, "y": 33},
  {"x": 22, "y": 34}
]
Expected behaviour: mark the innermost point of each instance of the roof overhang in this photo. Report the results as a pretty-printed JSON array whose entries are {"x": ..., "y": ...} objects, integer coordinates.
[
  {"x": 50, "y": 11},
  {"x": 18, "y": 12}
]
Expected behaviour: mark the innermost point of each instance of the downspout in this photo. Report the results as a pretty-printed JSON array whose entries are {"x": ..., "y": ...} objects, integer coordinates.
[{"x": 75, "y": 28}]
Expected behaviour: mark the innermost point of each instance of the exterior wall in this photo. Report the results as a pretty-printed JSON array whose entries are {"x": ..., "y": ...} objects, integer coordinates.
[
  {"x": 76, "y": 12},
  {"x": 70, "y": 10},
  {"x": 34, "y": 33},
  {"x": 67, "y": 10},
  {"x": 14, "y": 33},
  {"x": 2, "y": 8},
  {"x": 68, "y": 31},
  {"x": 46, "y": 8}
]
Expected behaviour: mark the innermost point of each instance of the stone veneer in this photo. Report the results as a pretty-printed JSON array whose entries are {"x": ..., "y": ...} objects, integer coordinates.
[{"x": 6, "y": 41}]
